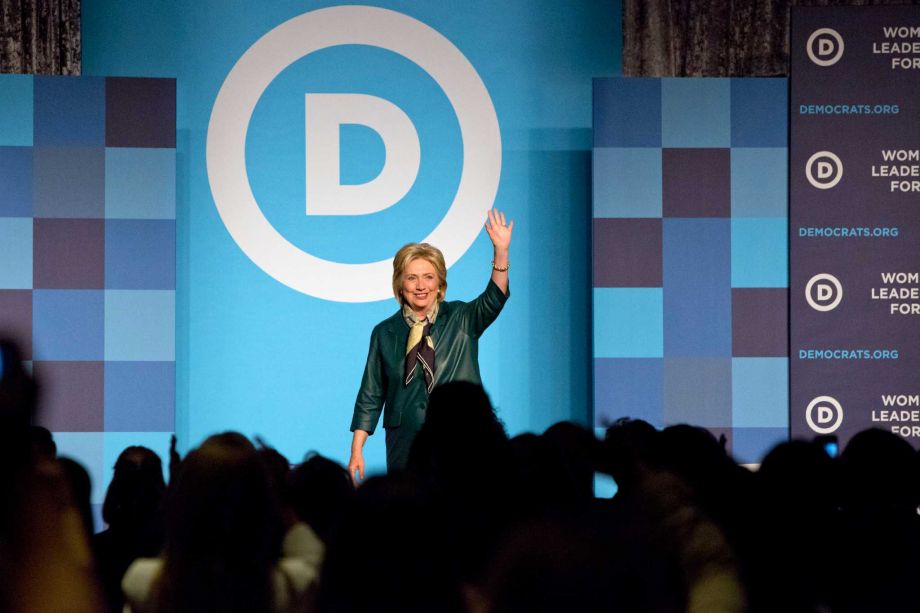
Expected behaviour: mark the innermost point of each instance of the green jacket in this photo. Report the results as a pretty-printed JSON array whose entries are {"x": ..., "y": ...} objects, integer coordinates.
[{"x": 455, "y": 333}]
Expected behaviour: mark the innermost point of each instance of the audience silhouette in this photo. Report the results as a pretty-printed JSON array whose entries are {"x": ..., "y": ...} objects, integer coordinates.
[
  {"x": 878, "y": 554},
  {"x": 132, "y": 510},
  {"x": 477, "y": 522},
  {"x": 320, "y": 492},
  {"x": 223, "y": 539},
  {"x": 45, "y": 559}
]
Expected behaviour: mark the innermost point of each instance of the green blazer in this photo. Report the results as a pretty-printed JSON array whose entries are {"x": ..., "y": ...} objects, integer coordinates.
[{"x": 455, "y": 333}]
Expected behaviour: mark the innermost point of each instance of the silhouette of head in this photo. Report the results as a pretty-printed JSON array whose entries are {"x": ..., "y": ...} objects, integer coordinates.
[
  {"x": 223, "y": 530},
  {"x": 137, "y": 488},
  {"x": 320, "y": 492},
  {"x": 881, "y": 470}
]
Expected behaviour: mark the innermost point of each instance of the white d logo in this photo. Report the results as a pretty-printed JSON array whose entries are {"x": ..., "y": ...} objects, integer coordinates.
[
  {"x": 325, "y": 114},
  {"x": 824, "y": 170},
  {"x": 824, "y": 47},
  {"x": 824, "y": 414},
  {"x": 351, "y": 25},
  {"x": 823, "y": 292}
]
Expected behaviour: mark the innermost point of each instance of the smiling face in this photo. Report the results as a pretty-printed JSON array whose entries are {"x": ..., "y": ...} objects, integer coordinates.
[{"x": 420, "y": 285}]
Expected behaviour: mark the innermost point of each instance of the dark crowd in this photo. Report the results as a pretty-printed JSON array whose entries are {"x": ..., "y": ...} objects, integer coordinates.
[{"x": 478, "y": 522}]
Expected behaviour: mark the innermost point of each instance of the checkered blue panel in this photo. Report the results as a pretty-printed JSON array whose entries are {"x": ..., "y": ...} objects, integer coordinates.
[
  {"x": 88, "y": 277},
  {"x": 690, "y": 256}
]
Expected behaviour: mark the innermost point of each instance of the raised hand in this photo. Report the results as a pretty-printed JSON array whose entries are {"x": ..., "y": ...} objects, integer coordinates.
[
  {"x": 499, "y": 231},
  {"x": 500, "y": 234}
]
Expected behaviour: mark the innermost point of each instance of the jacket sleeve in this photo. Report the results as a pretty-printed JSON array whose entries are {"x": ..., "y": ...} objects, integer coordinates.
[
  {"x": 373, "y": 390},
  {"x": 482, "y": 311}
]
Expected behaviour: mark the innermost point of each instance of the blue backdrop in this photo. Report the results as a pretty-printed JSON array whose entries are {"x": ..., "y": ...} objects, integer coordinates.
[{"x": 252, "y": 353}]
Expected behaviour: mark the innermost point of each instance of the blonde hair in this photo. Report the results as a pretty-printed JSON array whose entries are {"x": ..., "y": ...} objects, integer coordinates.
[{"x": 414, "y": 251}]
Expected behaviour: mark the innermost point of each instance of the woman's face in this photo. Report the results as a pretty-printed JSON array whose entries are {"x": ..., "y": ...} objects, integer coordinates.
[{"x": 420, "y": 285}]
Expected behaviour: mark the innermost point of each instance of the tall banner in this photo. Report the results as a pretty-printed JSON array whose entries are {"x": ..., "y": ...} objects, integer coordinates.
[
  {"x": 854, "y": 185},
  {"x": 88, "y": 265},
  {"x": 689, "y": 257}
]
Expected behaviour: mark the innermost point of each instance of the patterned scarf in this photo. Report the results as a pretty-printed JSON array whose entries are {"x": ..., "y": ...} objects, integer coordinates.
[{"x": 419, "y": 346}]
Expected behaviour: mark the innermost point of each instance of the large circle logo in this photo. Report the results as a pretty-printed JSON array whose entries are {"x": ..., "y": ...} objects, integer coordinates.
[
  {"x": 824, "y": 169},
  {"x": 824, "y": 47},
  {"x": 829, "y": 414},
  {"x": 284, "y": 45}
]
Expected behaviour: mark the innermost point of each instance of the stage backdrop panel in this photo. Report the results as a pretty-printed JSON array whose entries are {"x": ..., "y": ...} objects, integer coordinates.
[
  {"x": 855, "y": 229},
  {"x": 88, "y": 275},
  {"x": 259, "y": 351},
  {"x": 690, "y": 256}
]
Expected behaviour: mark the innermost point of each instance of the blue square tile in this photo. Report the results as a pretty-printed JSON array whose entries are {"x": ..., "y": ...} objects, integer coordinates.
[
  {"x": 85, "y": 448},
  {"x": 69, "y": 111},
  {"x": 698, "y": 391},
  {"x": 16, "y": 263},
  {"x": 628, "y": 387},
  {"x": 697, "y": 287},
  {"x": 140, "y": 325},
  {"x": 759, "y": 182},
  {"x": 140, "y": 254},
  {"x": 760, "y": 111},
  {"x": 695, "y": 113},
  {"x": 67, "y": 324},
  {"x": 627, "y": 322},
  {"x": 140, "y": 396},
  {"x": 140, "y": 183},
  {"x": 751, "y": 445},
  {"x": 16, "y": 110},
  {"x": 627, "y": 182},
  {"x": 760, "y": 254},
  {"x": 760, "y": 392},
  {"x": 627, "y": 112},
  {"x": 116, "y": 442},
  {"x": 69, "y": 182},
  {"x": 16, "y": 180}
]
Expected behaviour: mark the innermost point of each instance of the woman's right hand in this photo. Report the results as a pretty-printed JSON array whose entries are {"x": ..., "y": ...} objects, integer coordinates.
[
  {"x": 356, "y": 461},
  {"x": 356, "y": 464}
]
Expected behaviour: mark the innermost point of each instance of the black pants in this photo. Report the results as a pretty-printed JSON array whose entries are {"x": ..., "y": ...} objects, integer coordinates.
[{"x": 399, "y": 442}]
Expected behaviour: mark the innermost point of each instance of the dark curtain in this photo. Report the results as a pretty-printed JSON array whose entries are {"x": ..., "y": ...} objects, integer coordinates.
[
  {"x": 712, "y": 38},
  {"x": 40, "y": 37}
]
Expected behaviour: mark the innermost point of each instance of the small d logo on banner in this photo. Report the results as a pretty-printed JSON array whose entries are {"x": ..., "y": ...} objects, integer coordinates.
[
  {"x": 824, "y": 414},
  {"x": 824, "y": 170},
  {"x": 823, "y": 292},
  {"x": 824, "y": 47}
]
